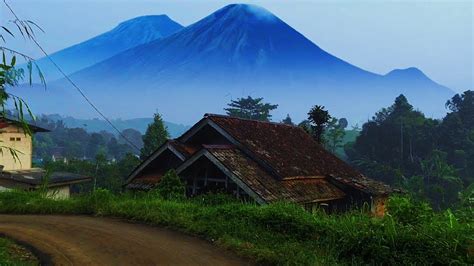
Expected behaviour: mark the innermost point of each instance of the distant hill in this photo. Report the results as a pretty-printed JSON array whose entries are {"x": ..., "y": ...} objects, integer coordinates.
[
  {"x": 126, "y": 35},
  {"x": 236, "y": 51},
  {"x": 96, "y": 125}
]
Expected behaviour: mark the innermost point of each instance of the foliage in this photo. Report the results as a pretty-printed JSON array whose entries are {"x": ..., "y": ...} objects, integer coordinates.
[
  {"x": 318, "y": 117},
  {"x": 283, "y": 233},
  {"x": 430, "y": 159},
  {"x": 288, "y": 120},
  {"x": 10, "y": 75},
  {"x": 170, "y": 186},
  {"x": 250, "y": 108},
  {"x": 335, "y": 132},
  {"x": 77, "y": 143},
  {"x": 106, "y": 175},
  {"x": 409, "y": 212},
  {"x": 156, "y": 134}
]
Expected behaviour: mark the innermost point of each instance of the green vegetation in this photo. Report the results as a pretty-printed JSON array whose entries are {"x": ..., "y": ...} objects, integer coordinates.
[
  {"x": 106, "y": 174},
  {"x": 13, "y": 254},
  {"x": 250, "y": 108},
  {"x": 431, "y": 159},
  {"x": 283, "y": 233},
  {"x": 75, "y": 143},
  {"x": 156, "y": 134}
]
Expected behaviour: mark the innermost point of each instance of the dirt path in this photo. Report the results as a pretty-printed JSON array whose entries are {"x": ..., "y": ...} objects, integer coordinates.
[{"x": 82, "y": 240}]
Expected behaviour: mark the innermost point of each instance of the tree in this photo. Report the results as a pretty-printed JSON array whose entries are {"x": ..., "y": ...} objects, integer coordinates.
[
  {"x": 156, "y": 134},
  {"x": 335, "y": 134},
  {"x": 306, "y": 126},
  {"x": 288, "y": 120},
  {"x": 250, "y": 108},
  {"x": 319, "y": 118}
]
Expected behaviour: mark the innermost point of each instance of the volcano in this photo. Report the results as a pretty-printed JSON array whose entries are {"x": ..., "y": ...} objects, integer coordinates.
[{"x": 237, "y": 51}]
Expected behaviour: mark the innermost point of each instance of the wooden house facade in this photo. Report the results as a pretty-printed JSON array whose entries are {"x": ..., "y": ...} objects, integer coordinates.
[{"x": 260, "y": 161}]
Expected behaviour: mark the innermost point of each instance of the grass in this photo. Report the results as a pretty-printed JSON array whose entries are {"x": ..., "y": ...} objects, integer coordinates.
[
  {"x": 282, "y": 233},
  {"x": 13, "y": 254}
]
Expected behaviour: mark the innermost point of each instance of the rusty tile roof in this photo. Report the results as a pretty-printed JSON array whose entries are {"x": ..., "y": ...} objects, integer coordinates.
[
  {"x": 185, "y": 149},
  {"x": 270, "y": 189},
  {"x": 289, "y": 150}
]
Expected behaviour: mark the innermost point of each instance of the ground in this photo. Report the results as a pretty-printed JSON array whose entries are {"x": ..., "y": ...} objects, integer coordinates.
[
  {"x": 12, "y": 253},
  {"x": 83, "y": 240}
]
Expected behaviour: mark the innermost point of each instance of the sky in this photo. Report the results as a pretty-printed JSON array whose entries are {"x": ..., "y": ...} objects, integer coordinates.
[{"x": 379, "y": 36}]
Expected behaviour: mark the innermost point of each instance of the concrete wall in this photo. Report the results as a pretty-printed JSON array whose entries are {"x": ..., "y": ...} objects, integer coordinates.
[
  {"x": 62, "y": 192},
  {"x": 14, "y": 137}
]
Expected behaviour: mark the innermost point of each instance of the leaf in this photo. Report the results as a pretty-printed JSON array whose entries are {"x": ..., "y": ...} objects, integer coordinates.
[
  {"x": 13, "y": 61},
  {"x": 41, "y": 76},
  {"x": 36, "y": 25},
  {"x": 7, "y": 30}
]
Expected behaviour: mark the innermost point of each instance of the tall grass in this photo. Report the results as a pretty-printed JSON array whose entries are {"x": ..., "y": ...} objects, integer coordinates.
[{"x": 281, "y": 233}]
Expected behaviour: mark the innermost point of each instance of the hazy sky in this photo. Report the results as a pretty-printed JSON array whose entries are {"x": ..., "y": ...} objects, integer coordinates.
[{"x": 435, "y": 36}]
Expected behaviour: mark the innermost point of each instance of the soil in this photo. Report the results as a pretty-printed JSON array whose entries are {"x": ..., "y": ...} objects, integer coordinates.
[{"x": 84, "y": 240}]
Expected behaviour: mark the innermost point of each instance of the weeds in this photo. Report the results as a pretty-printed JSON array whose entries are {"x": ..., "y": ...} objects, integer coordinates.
[{"x": 282, "y": 233}]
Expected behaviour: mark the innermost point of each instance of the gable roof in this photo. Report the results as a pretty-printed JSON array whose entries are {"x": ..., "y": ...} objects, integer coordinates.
[
  {"x": 181, "y": 151},
  {"x": 289, "y": 150},
  {"x": 276, "y": 161}
]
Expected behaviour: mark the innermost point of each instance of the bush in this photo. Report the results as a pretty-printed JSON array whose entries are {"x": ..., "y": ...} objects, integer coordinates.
[
  {"x": 407, "y": 211},
  {"x": 214, "y": 199},
  {"x": 170, "y": 186}
]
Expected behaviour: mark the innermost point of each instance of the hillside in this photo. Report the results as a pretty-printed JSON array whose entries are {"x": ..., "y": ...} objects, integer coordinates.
[{"x": 97, "y": 125}]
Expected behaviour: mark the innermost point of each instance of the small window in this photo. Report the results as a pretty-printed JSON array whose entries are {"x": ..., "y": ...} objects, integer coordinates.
[
  {"x": 18, "y": 139},
  {"x": 12, "y": 139}
]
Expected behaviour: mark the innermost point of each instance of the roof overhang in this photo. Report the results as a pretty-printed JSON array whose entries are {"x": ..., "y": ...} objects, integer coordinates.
[
  {"x": 206, "y": 154},
  {"x": 166, "y": 146}
]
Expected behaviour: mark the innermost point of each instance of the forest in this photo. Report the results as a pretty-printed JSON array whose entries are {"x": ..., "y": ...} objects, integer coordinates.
[{"x": 430, "y": 159}]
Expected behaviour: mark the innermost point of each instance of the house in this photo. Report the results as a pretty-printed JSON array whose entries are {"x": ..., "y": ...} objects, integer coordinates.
[
  {"x": 260, "y": 161},
  {"x": 17, "y": 171}
]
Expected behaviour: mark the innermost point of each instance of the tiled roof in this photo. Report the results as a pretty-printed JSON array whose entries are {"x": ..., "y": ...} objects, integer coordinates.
[
  {"x": 184, "y": 149},
  {"x": 289, "y": 150},
  {"x": 270, "y": 189}
]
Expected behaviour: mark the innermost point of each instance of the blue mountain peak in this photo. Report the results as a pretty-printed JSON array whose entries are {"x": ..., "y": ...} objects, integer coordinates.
[
  {"x": 147, "y": 19},
  {"x": 245, "y": 11},
  {"x": 411, "y": 72}
]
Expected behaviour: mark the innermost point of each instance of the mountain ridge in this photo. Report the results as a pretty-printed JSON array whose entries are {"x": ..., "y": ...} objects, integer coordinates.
[
  {"x": 141, "y": 30},
  {"x": 242, "y": 50}
]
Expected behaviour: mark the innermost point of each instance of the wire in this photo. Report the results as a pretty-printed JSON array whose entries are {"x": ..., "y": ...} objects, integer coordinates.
[{"x": 74, "y": 84}]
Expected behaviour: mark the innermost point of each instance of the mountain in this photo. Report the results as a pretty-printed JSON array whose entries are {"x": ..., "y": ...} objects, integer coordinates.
[
  {"x": 237, "y": 51},
  {"x": 97, "y": 125},
  {"x": 126, "y": 35}
]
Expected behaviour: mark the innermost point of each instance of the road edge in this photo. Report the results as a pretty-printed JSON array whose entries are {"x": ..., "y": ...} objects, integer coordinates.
[{"x": 43, "y": 258}]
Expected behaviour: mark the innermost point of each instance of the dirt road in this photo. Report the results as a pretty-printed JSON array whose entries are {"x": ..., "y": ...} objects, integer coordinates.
[{"x": 82, "y": 240}]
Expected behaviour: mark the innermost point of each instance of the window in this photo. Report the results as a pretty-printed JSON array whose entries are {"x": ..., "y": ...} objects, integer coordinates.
[
  {"x": 18, "y": 139},
  {"x": 12, "y": 139}
]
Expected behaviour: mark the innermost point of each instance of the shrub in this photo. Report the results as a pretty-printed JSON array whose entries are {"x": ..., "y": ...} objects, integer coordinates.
[
  {"x": 407, "y": 211},
  {"x": 170, "y": 186}
]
